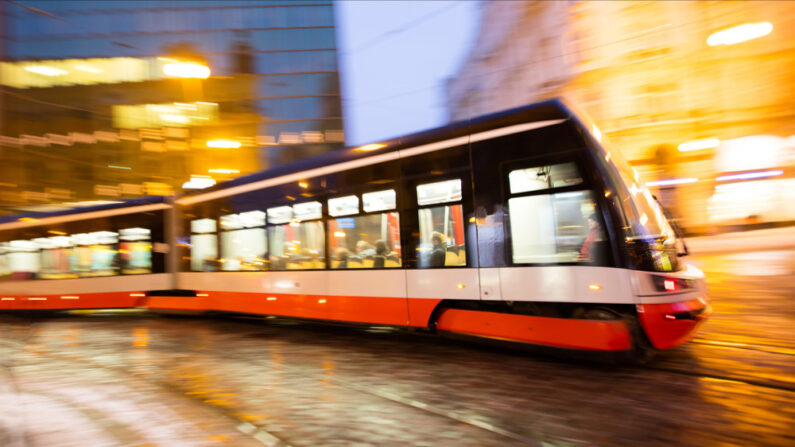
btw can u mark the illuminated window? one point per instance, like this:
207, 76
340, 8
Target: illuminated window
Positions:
343, 206
135, 250
204, 245
22, 258
379, 200
96, 253
549, 226
441, 227
177, 114
297, 240
57, 254
244, 243
544, 177
369, 241
439, 192
62, 72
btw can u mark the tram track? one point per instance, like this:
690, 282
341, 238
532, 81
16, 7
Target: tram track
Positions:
269, 437
768, 348
776, 353
725, 378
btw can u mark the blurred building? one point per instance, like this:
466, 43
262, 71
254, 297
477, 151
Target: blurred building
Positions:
102, 100
709, 124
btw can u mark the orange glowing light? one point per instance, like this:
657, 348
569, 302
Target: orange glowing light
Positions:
187, 70
740, 33
370, 147
224, 144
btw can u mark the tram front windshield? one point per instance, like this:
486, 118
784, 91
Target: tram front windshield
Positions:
649, 237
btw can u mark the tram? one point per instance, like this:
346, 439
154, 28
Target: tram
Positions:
521, 226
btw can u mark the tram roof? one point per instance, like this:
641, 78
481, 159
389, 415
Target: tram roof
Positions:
542, 111
57, 209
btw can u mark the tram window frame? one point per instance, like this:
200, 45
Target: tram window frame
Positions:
154, 221
263, 264
420, 260
586, 185
205, 266
430, 167
275, 265
359, 194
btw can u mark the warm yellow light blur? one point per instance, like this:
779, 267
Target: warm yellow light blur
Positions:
697, 145
88, 69
199, 182
224, 171
45, 70
303, 185
472, 219
271, 298
187, 70
28, 219
177, 114
321, 301
339, 234
461, 286
597, 133
740, 33
370, 147
595, 287
224, 144
59, 233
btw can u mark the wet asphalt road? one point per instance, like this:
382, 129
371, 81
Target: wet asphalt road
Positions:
131, 379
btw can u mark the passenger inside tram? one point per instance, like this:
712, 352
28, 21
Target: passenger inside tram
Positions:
381, 253
591, 246
364, 249
438, 251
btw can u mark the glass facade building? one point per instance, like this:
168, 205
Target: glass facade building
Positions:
74, 70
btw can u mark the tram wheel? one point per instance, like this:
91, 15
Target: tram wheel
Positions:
596, 313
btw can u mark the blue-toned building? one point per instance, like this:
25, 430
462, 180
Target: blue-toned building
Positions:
274, 82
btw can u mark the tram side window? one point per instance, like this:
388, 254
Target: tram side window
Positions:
57, 257
96, 253
135, 249
365, 241
23, 259
441, 221
204, 245
549, 225
5, 268
296, 237
244, 242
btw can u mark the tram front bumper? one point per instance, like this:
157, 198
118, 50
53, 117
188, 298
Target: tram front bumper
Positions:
671, 324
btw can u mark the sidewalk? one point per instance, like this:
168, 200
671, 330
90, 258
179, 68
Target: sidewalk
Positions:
757, 240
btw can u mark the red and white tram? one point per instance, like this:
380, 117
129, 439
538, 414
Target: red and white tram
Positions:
519, 226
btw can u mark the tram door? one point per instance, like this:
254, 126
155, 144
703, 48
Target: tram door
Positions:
535, 208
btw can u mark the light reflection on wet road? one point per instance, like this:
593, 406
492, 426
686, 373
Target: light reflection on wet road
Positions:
139, 380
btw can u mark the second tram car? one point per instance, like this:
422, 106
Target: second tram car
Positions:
519, 226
